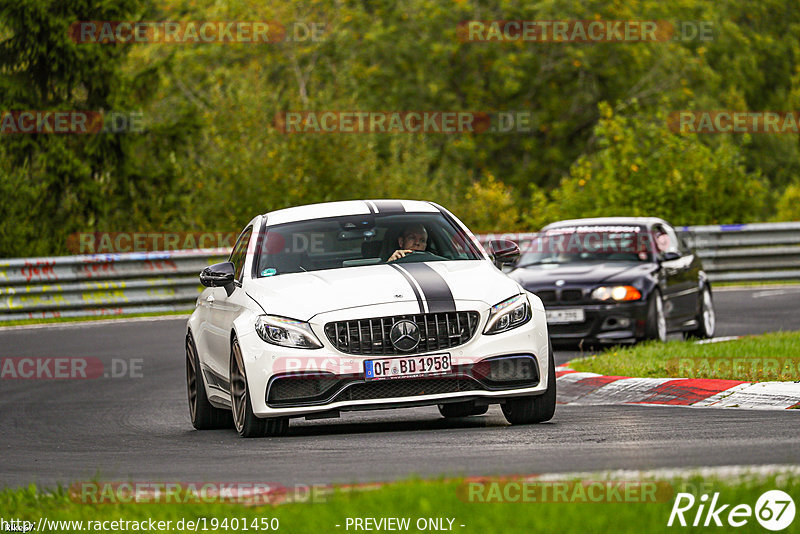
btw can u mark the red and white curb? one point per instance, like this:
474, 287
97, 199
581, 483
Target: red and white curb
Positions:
593, 389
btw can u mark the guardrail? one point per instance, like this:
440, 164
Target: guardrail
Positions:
102, 284
116, 284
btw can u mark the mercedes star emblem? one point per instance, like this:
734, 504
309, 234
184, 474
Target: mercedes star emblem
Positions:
404, 335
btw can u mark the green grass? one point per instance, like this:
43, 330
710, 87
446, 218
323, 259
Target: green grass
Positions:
419, 499
90, 318
768, 357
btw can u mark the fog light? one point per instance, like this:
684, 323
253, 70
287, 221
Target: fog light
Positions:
507, 369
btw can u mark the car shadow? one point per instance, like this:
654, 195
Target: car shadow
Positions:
331, 427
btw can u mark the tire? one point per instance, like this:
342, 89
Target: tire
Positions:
203, 414
244, 420
707, 320
656, 327
535, 408
462, 409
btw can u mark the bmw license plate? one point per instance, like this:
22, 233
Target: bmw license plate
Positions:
407, 367
565, 316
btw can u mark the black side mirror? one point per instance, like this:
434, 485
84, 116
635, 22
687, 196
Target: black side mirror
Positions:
505, 252
219, 275
670, 256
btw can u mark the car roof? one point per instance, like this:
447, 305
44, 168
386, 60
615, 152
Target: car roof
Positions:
608, 221
349, 207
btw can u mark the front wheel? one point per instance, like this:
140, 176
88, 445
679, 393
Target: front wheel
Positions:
204, 416
707, 320
538, 408
656, 327
246, 423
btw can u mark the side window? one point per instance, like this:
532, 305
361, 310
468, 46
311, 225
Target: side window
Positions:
239, 254
665, 238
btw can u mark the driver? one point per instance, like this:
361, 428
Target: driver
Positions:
662, 240
413, 238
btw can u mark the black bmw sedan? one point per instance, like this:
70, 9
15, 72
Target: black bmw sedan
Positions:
616, 280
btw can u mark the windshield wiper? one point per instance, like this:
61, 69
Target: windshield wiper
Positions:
537, 262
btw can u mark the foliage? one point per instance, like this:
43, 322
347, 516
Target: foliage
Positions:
211, 155
641, 168
788, 208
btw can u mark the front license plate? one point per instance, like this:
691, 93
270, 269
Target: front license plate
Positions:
565, 316
407, 367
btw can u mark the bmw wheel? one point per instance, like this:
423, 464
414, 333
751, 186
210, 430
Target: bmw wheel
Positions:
204, 416
656, 320
538, 408
707, 320
246, 423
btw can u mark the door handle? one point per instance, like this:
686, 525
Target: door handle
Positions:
210, 298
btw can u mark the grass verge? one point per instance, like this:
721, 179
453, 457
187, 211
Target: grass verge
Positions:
521, 511
49, 320
767, 357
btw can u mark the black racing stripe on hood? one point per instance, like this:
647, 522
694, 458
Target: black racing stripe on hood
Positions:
411, 283
434, 287
389, 206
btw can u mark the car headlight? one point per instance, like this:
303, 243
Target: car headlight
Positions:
618, 293
508, 314
286, 332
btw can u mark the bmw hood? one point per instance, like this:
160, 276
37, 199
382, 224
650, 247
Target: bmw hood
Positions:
434, 286
581, 273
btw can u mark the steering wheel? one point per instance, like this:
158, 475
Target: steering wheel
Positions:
417, 256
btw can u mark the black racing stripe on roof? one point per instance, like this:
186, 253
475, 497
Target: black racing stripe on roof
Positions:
411, 283
434, 287
369, 206
389, 206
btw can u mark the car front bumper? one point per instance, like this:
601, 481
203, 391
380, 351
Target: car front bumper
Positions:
619, 322
349, 390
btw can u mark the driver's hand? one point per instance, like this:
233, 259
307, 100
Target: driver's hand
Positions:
399, 254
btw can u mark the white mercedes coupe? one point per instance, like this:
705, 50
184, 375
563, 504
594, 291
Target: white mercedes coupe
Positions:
364, 305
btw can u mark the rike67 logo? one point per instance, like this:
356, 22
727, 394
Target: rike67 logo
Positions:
774, 510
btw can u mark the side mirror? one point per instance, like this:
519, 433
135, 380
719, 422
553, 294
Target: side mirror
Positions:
670, 256
219, 275
504, 252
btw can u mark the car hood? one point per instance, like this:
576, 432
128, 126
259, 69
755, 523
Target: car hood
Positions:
581, 273
304, 295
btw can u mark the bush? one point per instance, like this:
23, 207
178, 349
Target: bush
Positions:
788, 208
641, 168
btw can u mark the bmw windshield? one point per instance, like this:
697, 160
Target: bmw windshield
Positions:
572, 244
358, 240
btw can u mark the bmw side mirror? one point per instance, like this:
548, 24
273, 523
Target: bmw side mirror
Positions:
670, 256
219, 275
504, 252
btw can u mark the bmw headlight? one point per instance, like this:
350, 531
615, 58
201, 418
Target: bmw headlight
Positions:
508, 314
286, 332
618, 293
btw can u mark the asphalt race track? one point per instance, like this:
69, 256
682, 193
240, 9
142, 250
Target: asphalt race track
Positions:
137, 427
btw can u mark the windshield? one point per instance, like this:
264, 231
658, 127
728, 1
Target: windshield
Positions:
572, 244
353, 241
